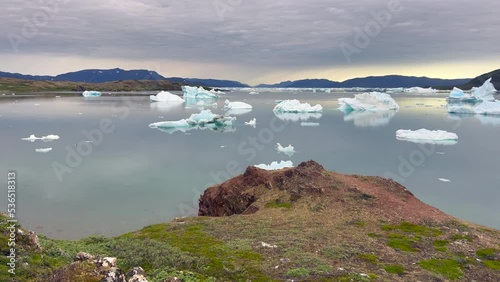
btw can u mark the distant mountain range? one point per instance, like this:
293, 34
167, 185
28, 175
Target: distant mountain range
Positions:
388, 81
111, 75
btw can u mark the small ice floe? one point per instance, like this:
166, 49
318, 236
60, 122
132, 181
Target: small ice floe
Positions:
36, 105
309, 124
266, 245
440, 153
165, 96
43, 150
47, 138
289, 151
89, 141
275, 165
80, 113
236, 105
425, 136
444, 180
91, 94
223, 147
252, 122
253, 93
58, 96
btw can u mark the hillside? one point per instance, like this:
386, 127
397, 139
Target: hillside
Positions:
300, 224
478, 81
9, 85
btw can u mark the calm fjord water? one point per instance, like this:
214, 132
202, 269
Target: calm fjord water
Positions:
138, 176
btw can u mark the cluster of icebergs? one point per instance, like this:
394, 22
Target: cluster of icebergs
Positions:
480, 101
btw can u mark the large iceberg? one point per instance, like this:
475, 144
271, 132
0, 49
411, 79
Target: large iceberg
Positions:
372, 101
165, 96
478, 94
236, 105
276, 165
91, 94
198, 92
294, 106
205, 119
427, 136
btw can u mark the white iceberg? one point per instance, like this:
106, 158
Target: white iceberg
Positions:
275, 165
484, 108
289, 151
205, 119
43, 150
47, 138
458, 94
420, 90
372, 101
294, 106
236, 105
309, 124
252, 122
91, 94
165, 96
253, 93
485, 92
238, 112
444, 180
198, 93
426, 136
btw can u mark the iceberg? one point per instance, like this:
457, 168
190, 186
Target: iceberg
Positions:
275, 165
165, 96
425, 136
91, 94
485, 92
458, 94
238, 112
198, 93
205, 119
253, 93
47, 138
444, 180
236, 105
44, 150
289, 151
369, 101
309, 124
294, 106
252, 122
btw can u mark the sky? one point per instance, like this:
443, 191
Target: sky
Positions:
258, 41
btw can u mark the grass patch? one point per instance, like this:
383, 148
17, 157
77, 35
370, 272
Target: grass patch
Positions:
488, 254
298, 272
458, 237
374, 235
492, 264
413, 228
395, 269
447, 268
402, 243
340, 252
371, 258
278, 203
440, 245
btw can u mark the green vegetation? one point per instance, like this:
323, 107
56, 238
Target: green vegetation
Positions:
492, 264
488, 253
340, 252
402, 243
368, 258
447, 268
458, 237
413, 228
278, 203
440, 245
395, 269
298, 272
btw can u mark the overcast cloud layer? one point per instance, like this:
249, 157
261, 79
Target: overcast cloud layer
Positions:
252, 41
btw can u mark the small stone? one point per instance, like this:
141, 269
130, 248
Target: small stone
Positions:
83, 256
